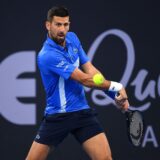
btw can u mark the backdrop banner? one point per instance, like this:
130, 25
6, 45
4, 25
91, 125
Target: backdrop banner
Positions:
120, 38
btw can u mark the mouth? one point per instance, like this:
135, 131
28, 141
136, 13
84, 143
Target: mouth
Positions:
61, 35
60, 38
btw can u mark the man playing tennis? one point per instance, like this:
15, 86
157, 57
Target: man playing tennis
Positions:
67, 110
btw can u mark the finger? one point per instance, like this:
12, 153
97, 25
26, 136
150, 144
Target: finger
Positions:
126, 105
121, 96
121, 101
122, 105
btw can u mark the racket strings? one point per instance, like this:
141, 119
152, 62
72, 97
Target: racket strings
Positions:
135, 128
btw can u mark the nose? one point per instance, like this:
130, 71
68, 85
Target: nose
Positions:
62, 28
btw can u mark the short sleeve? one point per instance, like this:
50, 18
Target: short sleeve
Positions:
55, 62
82, 54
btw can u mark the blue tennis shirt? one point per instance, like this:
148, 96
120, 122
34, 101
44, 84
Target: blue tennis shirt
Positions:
56, 64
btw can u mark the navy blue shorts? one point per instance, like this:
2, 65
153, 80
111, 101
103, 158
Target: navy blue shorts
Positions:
81, 124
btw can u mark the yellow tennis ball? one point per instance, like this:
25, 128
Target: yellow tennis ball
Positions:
98, 79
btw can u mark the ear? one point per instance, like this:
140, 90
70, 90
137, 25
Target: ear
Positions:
48, 24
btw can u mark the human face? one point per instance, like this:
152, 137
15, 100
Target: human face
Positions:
58, 28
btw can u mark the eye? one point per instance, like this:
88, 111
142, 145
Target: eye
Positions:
58, 24
66, 24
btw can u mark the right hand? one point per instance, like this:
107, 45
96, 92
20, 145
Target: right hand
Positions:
122, 100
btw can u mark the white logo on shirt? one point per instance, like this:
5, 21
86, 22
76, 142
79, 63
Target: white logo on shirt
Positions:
75, 50
65, 68
60, 64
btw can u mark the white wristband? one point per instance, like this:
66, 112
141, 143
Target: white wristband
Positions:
115, 86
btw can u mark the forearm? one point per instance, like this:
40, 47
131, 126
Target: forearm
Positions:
87, 81
113, 89
90, 71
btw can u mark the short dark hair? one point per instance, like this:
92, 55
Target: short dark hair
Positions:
59, 11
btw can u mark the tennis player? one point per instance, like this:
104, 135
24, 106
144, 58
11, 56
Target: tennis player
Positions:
67, 110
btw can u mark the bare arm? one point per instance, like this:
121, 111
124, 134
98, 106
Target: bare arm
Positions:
85, 77
89, 68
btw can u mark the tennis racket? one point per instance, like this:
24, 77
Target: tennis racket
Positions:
135, 126
134, 122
